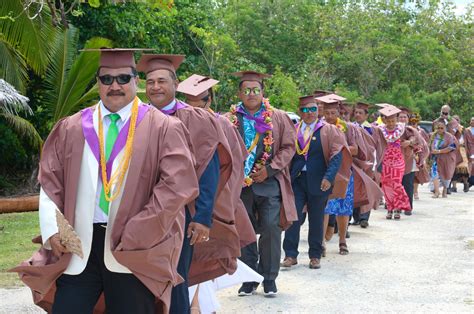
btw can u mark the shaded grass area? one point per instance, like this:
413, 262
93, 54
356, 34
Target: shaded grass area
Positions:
16, 232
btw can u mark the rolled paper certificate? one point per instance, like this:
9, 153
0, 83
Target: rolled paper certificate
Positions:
68, 236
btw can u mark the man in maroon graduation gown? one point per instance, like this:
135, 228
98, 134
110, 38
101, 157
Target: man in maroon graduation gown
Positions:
131, 244
213, 167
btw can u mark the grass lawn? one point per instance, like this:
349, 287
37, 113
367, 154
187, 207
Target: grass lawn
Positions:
16, 232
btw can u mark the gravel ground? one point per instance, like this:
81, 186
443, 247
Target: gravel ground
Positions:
423, 263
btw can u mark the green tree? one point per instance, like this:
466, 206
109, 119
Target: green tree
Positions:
24, 43
69, 81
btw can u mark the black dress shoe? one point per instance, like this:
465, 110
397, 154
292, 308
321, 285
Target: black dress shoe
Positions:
364, 224
408, 212
269, 288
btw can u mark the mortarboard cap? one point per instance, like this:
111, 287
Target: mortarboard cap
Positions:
319, 93
196, 86
116, 57
251, 76
389, 110
304, 100
329, 102
152, 62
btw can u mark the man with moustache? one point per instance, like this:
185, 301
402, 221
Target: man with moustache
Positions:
268, 134
213, 168
319, 155
91, 167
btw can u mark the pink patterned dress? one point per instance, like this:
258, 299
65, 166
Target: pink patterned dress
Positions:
393, 168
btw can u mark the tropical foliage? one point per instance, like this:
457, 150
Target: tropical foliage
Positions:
412, 53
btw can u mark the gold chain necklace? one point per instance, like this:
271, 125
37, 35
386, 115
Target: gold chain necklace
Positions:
119, 175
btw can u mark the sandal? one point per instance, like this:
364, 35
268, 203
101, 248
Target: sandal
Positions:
389, 214
343, 249
397, 215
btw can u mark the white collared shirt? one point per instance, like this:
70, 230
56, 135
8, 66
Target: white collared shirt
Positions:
170, 105
124, 113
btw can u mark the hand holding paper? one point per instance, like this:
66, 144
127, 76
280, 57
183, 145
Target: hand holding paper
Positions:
68, 237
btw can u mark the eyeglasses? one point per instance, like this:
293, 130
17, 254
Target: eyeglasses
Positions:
445, 113
308, 109
122, 79
256, 91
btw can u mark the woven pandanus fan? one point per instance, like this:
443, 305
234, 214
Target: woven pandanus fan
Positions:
68, 236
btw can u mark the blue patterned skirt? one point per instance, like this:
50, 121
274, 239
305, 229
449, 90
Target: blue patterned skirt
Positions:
342, 206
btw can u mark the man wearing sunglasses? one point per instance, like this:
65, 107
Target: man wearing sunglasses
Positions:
235, 230
444, 116
269, 136
198, 92
213, 168
113, 170
318, 158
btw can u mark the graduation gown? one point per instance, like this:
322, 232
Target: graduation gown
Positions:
283, 149
218, 256
366, 191
147, 231
447, 161
469, 142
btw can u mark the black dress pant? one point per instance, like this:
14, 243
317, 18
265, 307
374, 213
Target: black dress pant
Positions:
123, 293
408, 184
264, 213
180, 293
315, 212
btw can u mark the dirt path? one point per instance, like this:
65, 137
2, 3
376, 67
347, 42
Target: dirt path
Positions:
423, 263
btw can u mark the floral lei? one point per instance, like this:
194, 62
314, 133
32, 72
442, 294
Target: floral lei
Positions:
341, 125
267, 141
392, 136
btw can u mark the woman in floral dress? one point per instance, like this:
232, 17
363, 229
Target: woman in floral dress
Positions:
395, 138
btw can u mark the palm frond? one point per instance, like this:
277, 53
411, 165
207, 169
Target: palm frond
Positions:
70, 76
31, 37
24, 128
11, 101
13, 67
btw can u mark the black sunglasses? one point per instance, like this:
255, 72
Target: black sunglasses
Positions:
308, 109
445, 113
122, 79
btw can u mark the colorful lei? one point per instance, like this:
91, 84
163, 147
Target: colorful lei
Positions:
392, 136
267, 114
341, 125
